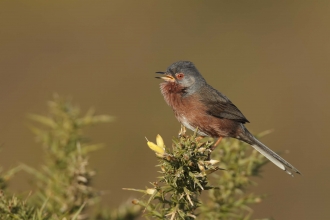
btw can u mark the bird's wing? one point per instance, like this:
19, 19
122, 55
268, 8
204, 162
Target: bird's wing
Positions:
220, 106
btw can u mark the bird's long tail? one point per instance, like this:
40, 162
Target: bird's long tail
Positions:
247, 137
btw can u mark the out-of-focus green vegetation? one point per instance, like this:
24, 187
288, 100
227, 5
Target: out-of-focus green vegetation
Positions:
64, 182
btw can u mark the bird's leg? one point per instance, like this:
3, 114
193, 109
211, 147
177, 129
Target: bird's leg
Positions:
213, 147
216, 143
182, 131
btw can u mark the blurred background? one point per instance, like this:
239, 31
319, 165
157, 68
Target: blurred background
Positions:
271, 58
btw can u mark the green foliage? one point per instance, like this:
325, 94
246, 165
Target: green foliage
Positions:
65, 179
64, 183
124, 212
184, 176
187, 171
14, 208
230, 200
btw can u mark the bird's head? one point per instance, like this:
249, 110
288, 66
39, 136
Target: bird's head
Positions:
184, 74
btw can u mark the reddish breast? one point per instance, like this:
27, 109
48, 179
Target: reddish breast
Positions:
172, 93
192, 113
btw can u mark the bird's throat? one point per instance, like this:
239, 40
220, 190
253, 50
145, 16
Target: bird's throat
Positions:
172, 92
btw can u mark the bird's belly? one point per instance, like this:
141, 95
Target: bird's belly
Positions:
208, 125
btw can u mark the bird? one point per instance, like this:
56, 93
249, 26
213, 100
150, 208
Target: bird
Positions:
198, 106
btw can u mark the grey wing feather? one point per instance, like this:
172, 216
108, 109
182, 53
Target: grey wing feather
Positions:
220, 106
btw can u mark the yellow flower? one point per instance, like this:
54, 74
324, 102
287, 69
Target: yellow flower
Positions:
159, 141
159, 148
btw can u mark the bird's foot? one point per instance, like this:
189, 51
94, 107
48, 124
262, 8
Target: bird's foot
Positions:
213, 148
182, 131
197, 139
216, 143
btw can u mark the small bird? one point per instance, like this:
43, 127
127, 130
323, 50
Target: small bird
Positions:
196, 104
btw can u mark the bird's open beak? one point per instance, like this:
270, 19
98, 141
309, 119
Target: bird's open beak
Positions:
167, 77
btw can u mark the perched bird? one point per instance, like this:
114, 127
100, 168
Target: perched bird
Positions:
196, 104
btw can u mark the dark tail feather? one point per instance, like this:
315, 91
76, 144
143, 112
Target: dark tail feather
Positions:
247, 137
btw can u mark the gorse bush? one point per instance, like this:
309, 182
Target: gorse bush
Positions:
63, 184
184, 176
187, 170
65, 179
229, 199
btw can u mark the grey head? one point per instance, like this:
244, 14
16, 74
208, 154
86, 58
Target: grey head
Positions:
185, 74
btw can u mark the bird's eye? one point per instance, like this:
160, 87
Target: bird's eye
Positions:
179, 76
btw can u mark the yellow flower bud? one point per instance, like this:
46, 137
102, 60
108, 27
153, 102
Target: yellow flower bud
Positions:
156, 148
159, 141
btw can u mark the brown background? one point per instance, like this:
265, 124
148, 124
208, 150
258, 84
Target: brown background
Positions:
270, 57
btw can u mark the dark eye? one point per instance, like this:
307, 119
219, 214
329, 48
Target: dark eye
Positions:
179, 76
